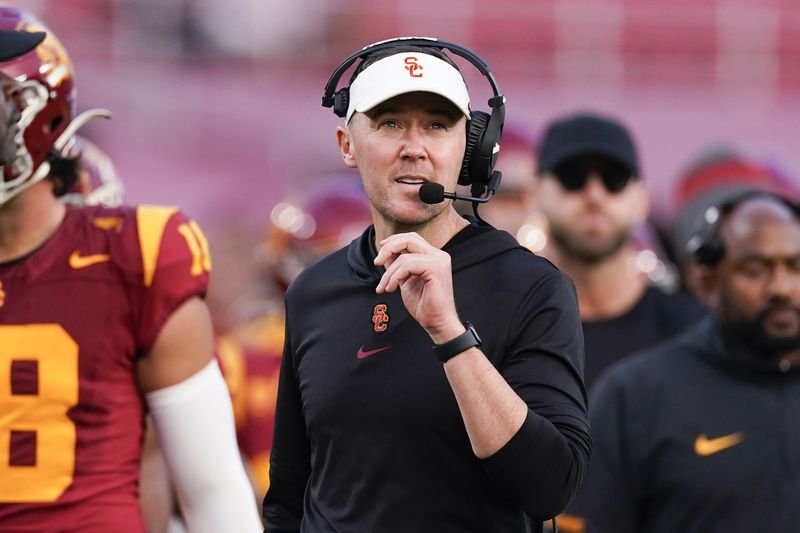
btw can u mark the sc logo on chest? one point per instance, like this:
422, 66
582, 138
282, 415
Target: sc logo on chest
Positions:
380, 318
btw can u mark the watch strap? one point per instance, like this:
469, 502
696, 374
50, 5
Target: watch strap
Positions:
451, 348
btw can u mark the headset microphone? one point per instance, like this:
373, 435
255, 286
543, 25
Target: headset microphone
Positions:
434, 193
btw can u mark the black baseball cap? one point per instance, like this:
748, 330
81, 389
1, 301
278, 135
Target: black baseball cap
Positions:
586, 134
16, 43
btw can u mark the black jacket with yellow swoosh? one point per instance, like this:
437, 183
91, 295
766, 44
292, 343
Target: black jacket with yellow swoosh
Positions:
694, 436
368, 435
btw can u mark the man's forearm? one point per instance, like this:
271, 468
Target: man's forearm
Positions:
491, 410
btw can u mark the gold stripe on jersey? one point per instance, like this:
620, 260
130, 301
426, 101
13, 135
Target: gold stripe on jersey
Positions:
151, 220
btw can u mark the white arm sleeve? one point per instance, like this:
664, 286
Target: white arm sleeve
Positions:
195, 429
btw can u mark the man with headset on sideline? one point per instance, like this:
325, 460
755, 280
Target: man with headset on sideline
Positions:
701, 434
431, 375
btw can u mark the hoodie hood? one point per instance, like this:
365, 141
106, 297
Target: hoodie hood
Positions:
474, 244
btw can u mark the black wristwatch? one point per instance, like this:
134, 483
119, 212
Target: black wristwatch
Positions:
466, 340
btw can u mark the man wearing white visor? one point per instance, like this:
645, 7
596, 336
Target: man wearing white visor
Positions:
393, 414
406, 73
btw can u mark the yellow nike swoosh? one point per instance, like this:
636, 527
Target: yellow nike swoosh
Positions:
703, 446
76, 260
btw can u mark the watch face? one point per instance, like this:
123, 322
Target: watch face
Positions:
471, 328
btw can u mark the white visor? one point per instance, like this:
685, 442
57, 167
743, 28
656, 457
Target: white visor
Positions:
407, 72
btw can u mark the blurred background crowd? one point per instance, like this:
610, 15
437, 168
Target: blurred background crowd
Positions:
216, 104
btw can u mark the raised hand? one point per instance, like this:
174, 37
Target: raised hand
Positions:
424, 276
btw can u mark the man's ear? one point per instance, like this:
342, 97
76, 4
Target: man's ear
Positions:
642, 204
530, 193
707, 283
345, 142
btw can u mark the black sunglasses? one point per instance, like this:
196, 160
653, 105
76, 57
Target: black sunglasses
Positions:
574, 174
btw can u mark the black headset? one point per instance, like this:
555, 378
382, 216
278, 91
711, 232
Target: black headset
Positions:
706, 245
483, 131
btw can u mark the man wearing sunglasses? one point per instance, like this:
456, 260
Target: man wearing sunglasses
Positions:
591, 194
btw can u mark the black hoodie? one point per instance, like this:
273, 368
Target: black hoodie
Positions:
368, 435
696, 435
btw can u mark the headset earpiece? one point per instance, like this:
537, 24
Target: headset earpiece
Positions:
476, 129
706, 246
480, 158
341, 101
708, 250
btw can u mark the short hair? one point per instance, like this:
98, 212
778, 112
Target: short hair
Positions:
64, 172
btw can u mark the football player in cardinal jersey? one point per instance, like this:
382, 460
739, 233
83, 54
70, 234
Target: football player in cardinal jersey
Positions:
102, 318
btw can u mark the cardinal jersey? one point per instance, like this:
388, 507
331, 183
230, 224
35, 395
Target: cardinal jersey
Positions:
251, 360
74, 317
